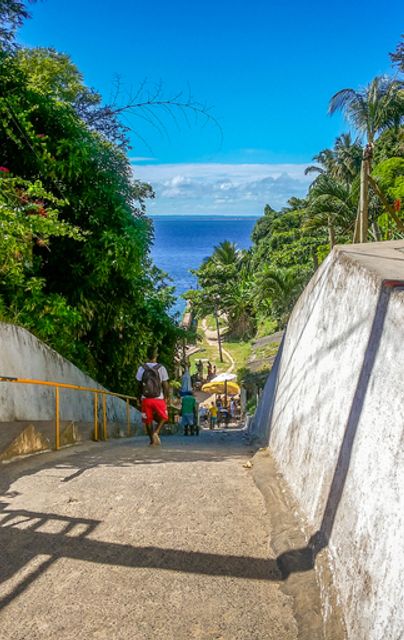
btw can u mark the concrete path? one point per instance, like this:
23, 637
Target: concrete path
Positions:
122, 541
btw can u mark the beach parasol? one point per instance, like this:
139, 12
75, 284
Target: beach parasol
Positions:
223, 383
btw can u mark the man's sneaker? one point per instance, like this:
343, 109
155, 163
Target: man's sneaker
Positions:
156, 439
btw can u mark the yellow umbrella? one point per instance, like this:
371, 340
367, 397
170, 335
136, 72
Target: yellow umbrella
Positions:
221, 386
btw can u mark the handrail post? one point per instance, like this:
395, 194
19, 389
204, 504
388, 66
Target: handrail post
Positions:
96, 416
104, 417
57, 419
128, 415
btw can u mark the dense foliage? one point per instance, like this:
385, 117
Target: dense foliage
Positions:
260, 287
74, 239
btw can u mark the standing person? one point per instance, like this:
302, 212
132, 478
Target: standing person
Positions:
186, 382
199, 369
203, 415
189, 413
213, 415
232, 408
154, 393
210, 371
219, 407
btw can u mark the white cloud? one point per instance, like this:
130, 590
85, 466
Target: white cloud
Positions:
141, 159
222, 188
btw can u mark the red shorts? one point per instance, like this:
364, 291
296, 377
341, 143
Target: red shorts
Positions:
152, 407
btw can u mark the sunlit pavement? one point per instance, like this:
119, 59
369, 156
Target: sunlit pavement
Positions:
124, 541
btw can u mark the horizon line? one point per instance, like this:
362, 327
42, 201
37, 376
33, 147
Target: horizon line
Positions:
223, 214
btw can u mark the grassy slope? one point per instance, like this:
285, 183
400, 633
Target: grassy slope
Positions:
239, 350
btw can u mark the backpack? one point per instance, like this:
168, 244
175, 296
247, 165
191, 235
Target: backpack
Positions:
151, 382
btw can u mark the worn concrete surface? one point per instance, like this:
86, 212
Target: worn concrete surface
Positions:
123, 541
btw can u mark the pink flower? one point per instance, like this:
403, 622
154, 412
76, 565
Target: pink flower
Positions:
4, 170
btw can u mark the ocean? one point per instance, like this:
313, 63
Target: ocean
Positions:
182, 242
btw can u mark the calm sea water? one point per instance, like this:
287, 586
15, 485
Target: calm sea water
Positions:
182, 242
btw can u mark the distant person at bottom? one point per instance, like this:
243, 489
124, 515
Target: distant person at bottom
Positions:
154, 393
189, 414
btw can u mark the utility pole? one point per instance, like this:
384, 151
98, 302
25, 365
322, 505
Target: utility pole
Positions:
363, 214
219, 340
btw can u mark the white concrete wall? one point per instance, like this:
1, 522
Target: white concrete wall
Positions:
22, 355
337, 428
258, 429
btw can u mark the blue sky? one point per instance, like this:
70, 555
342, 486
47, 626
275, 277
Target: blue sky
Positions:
266, 70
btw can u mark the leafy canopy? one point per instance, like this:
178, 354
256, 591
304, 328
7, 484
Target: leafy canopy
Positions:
86, 283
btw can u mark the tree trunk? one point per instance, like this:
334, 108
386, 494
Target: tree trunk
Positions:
315, 258
364, 201
355, 238
376, 231
331, 233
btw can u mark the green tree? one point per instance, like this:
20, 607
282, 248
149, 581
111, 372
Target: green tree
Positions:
342, 162
388, 181
390, 176
332, 207
378, 107
238, 304
29, 223
277, 289
226, 254
224, 287
279, 238
390, 144
107, 280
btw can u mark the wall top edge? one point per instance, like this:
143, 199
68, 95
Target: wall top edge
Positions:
383, 259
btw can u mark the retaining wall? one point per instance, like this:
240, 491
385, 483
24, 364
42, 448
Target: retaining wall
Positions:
22, 355
333, 413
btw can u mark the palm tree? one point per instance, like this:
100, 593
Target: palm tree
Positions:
238, 302
348, 155
342, 163
332, 205
226, 254
371, 110
277, 289
325, 160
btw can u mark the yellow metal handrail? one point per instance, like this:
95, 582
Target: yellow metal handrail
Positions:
76, 387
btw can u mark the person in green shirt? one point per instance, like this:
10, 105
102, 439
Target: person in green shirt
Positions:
189, 414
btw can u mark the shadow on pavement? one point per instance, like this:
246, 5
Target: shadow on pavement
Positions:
30, 542
21, 541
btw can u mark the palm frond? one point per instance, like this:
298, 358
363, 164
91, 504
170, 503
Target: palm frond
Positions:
340, 100
313, 169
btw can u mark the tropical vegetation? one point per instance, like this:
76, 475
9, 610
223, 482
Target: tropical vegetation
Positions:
75, 265
357, 194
